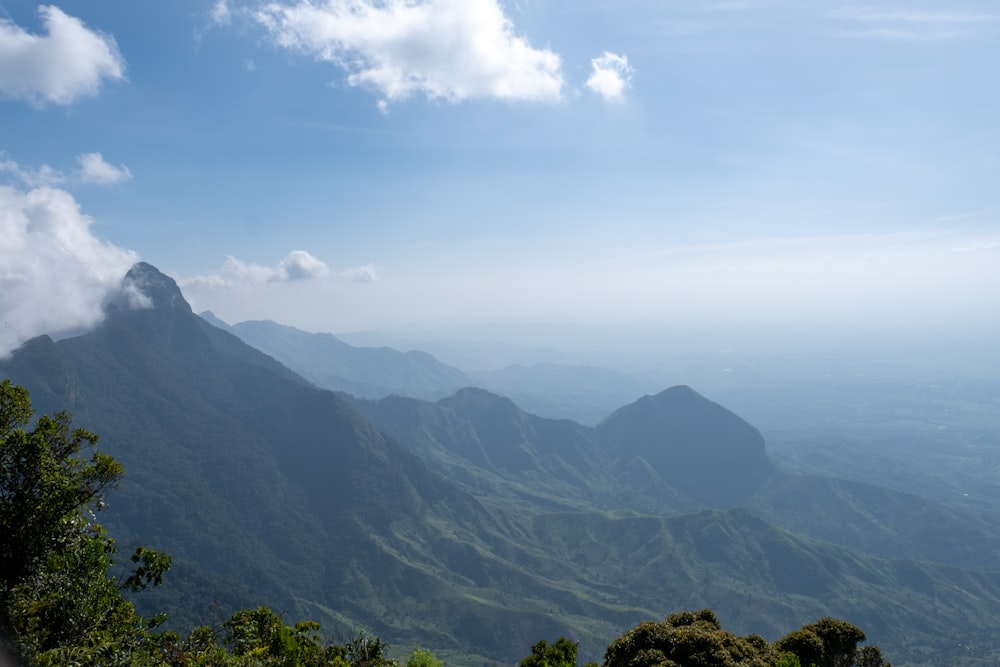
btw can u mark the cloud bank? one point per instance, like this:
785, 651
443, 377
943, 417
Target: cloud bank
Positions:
445, 49
611, 76
55, 275
68, 62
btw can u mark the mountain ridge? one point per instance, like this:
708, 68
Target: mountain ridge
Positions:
330, 363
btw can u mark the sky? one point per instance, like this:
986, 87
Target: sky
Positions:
816, 169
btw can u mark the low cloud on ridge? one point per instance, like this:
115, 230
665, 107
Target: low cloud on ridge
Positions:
55, 274
66, 63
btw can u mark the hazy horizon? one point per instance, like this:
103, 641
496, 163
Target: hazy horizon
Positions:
729, 180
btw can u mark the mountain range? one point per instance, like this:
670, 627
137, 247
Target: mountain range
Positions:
583, 393
474, 528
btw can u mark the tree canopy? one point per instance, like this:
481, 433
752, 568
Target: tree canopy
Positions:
696, 639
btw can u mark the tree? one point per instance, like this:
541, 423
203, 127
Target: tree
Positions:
829, 642
696, 639
803, 644
560, 654
57, 601
45, 488
688, 639
423, 658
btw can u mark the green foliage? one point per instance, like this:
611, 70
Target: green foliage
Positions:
57, 603
788, 660
261, 634
45, 488
829, 642
259, 638
804, 644
696, 639
691, 639
870, 656
423, 658
365, 650
560, 654
150, 568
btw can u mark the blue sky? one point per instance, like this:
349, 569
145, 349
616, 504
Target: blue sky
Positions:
347, 165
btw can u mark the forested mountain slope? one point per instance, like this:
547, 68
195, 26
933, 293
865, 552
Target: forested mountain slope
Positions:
666, 454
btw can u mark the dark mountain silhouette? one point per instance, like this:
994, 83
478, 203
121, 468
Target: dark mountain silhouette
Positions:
328, 362
269, 490
695, 445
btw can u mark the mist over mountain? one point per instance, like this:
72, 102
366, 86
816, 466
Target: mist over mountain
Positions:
585, 394
474, 527
329, 363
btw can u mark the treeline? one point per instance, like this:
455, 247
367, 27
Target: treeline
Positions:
63, 588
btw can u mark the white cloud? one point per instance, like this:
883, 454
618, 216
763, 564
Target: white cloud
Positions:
362, 274
446, 49
297, 265
32, 178
244, 272
300, 265
220, 14
55, 275
91, 169
68, 62
611, 75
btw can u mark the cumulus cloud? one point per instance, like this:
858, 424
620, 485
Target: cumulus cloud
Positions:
55, 275
69, 61
611, 76
297, 265
91, 169
445, 49
300, 265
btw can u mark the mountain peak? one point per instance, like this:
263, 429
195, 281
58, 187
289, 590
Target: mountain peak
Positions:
212, 319
144, 286
696, 445
478, 399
